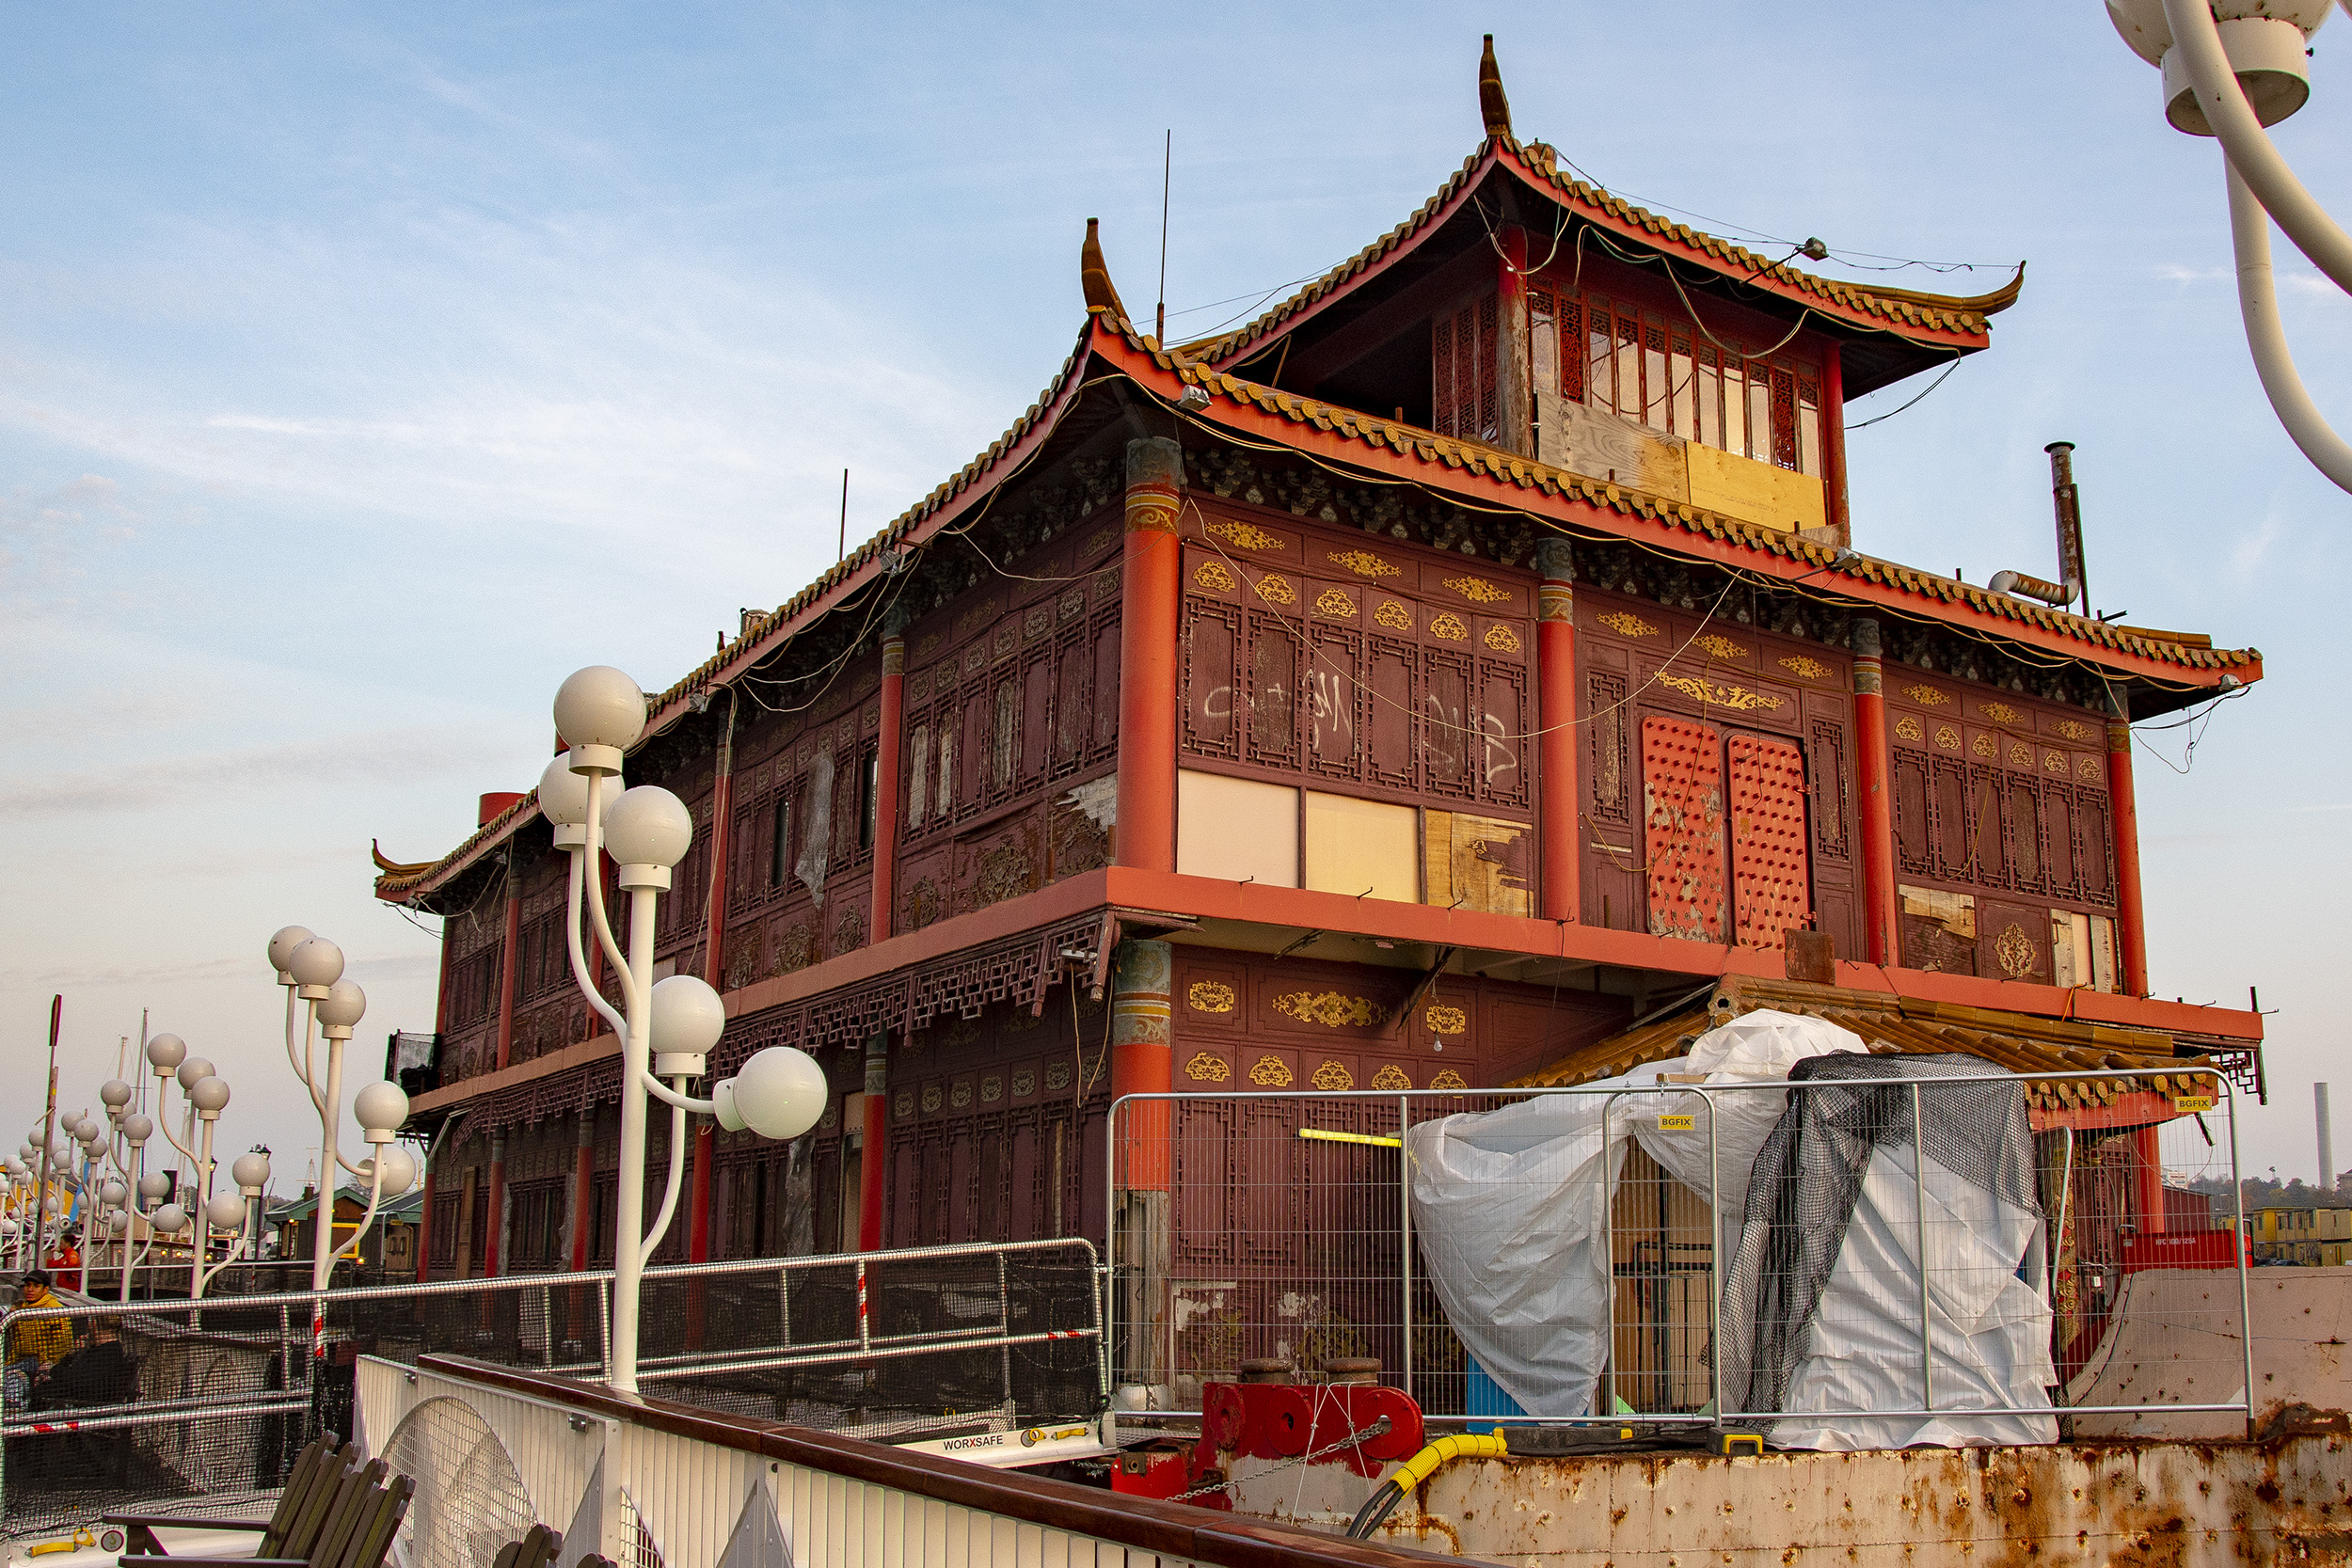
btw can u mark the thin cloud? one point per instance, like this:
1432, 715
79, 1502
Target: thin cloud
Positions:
338, 759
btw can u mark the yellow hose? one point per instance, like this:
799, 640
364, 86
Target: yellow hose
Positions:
1431, 1459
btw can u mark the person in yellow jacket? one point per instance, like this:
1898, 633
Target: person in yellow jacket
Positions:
36, 1345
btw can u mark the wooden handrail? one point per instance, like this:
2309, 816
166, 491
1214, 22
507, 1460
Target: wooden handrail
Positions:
1144, 1523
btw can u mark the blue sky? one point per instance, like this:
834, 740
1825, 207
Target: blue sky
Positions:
361, 373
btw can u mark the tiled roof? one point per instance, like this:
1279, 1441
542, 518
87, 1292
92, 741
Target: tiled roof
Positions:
2017, 1042
772, 630
1512, 472
1536, 165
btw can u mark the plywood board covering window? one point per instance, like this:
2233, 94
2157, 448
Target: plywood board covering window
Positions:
1361, 848
1238, 830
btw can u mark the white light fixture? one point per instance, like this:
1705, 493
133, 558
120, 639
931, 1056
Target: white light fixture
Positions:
647, 830
2231, 68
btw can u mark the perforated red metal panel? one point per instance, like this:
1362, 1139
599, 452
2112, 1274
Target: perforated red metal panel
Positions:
1682, 827
1770, 881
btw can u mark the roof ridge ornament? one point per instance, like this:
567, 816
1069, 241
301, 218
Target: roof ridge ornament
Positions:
1094, 276
1493, 106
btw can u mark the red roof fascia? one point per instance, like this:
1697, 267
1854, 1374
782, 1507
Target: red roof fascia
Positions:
1316, 439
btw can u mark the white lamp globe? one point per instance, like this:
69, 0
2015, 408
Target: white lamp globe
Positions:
399, 1167
211, 1095
114, 1191
117, 1221
61, 1151
343, 1005
165, 1052
138, 1128
8, 1228
281, 947
564, 794
169, 1220
226, 1212
599, 707
687, 1016
381, 1107
193, 1071
251, 1170
116, 1093
779, 1094
315, 961
49, 1205
648, 826
155, 1186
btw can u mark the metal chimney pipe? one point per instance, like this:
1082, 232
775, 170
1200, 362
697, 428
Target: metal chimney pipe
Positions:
2070, 522
2327, 1143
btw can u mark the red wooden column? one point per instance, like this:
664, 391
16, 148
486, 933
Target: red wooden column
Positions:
887, 784
1834, 442
873, 1154
585, 1190
2148, 1182
509, 958
494, 1205
1151, 595
425, 1229
714, 971
1558, 791
2131, 932
1876, 788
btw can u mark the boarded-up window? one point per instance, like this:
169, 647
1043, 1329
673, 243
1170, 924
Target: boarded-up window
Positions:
1682, 820
1771, 891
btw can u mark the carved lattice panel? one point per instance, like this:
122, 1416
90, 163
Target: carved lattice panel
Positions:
1682, 827
1770, 877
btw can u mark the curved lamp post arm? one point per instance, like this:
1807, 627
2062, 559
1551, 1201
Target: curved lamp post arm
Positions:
375, 1201
2249, 148
2257, 303
235, 1255
579, 962
630, 998
163, 1125
677, 1099
677, 1173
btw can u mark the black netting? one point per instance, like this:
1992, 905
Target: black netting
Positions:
1801, 1194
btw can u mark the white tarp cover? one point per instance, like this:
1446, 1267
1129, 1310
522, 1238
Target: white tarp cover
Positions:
1510, 1208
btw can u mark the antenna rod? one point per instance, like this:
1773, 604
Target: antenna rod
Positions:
845, 519
1167, 161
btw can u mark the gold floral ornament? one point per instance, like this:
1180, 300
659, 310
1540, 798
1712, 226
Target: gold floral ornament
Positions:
1449, 1079
1247, 536
1335, 604
1926, 696
1365, 564
1501, 638
960, 1096
2001, 713
903, 1106
1057, 1077
1276, 589
1985, 747
2087, 767
1721, 647
1393, 615
1737, 698
1270, 1072
1446, 1021
2073, 731
1390, 1077
1205, 1069
1810, 669
2053, 762
1478, 590
1625, 624
930, 1099
1211, 996
1909, 728
2020, 754
1947, 738
1024, 1081
992, 1089
1213, 576
1332, 1078
1449, 625
1331, 1009
2014, 951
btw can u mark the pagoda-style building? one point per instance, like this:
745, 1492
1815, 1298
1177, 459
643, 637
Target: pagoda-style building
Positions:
1469, 672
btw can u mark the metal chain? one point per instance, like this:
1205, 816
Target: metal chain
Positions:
1377, 1427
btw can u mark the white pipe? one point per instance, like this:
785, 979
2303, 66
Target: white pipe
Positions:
322, 1247
2257, 303
678, 1172
679, 1097
580, 965
203, 1221
629, 1253
2250, 147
